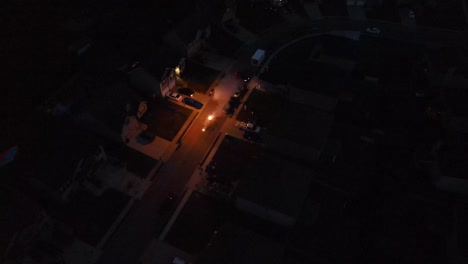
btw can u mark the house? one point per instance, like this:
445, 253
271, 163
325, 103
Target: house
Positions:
96, 103
187, 31
159, 76
79, 178
168, 80
30, 234
148, 85
193, 31
189, 36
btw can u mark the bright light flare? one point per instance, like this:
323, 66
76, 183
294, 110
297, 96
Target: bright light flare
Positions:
203, 129
210, 117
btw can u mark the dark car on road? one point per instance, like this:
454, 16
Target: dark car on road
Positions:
192, 102
186, 91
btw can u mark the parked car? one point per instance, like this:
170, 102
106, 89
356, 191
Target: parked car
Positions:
186, 91
373, 30
174, 96
192, 102
241, 92
249, 127
252, 136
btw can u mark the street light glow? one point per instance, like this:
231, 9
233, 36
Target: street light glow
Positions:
210, 117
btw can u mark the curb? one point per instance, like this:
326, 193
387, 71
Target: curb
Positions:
210, 149
187, 128
116, 224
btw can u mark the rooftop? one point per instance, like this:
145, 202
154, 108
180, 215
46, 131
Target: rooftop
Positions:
97, 103
91, 216
58, 145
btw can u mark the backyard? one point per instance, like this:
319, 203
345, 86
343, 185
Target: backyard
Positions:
165, 119
137, 162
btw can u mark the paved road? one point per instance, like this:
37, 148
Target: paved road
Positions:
397, 31
144, 222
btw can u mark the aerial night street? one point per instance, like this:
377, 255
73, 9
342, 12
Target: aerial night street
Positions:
203, 132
